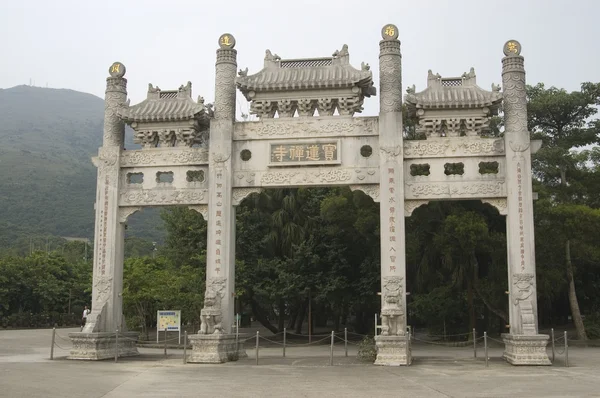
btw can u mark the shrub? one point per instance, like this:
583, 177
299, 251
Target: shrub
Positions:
367, 351
592, 326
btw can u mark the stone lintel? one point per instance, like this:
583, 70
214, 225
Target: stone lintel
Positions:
102, 345
392, 351
216, 348
526, 349
306, 127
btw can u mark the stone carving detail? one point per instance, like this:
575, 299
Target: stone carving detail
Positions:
372, 190
452, 190
240, 194
305, 177
500, 204
247, 177
125, 212
202, 209
423, 148
225, 86
273, 128
219, 157
116, 96
392, 311
164, 157
411, 205
515, 100
391, 151
102, 289
146, 197
521, 295
211, 315
390, 75
108, 157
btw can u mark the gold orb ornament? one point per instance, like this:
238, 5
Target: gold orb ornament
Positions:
227, 41
389, 32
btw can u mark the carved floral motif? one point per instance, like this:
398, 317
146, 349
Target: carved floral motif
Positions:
500, 204
307, 128
443, 190
411, 205
166, 157
202, 209
371, 189
125, 212
240, 194
424, 148
306, 177
161, 197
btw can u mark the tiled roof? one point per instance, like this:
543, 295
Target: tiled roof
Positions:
309, 73
162, 106
455, 92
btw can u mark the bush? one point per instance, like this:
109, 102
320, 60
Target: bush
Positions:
367, 351
592, 326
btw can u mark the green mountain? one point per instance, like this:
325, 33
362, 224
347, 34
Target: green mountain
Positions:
48, 181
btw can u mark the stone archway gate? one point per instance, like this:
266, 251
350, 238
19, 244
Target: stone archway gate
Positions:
198, 155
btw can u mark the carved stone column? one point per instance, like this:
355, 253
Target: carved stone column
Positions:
523, 344
215, 342
97, 340
392, 349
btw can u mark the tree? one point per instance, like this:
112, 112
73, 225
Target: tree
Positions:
562, 121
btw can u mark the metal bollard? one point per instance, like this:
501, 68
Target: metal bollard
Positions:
553, 348
52, 346
116, 345
331, 350
284, 340
257, 347
185, 347
474, 343
165, 342
485, 348
346, 341
566, 351
408, 349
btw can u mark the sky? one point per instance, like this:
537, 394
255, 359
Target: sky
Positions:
71, 44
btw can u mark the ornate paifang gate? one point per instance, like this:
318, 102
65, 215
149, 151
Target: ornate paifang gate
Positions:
202, 158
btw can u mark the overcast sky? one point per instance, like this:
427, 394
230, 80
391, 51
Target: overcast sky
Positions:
71, 43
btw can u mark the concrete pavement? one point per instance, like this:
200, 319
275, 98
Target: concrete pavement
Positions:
437, 371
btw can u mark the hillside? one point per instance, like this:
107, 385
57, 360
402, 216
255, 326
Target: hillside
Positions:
48, 180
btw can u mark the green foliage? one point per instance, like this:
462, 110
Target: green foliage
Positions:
367, 351
592, 325
42, 289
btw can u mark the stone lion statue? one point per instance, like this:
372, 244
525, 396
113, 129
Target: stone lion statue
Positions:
211, 315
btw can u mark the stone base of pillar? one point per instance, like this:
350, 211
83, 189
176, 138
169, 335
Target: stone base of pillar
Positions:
216, 348
98, 346
522, 349
393, 351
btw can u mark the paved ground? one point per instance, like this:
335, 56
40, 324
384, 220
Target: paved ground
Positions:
26, 371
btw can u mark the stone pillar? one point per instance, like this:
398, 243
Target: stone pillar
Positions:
215, 342
523, 344
97, 340
392, 343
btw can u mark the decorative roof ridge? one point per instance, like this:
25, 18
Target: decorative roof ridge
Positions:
438, 84
162, 105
